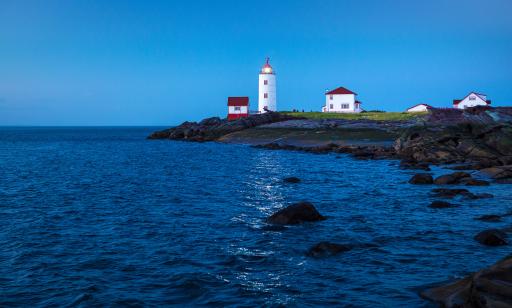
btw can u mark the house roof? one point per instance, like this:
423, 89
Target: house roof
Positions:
238, 101
457, 101
427, 105
340, 90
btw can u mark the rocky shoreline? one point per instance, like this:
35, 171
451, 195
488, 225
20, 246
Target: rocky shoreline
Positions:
476, 140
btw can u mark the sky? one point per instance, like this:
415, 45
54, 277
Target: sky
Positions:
164, 62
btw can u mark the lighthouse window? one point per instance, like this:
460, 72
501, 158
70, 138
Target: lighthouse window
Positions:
330, 97
265, 95
237, 108
344, 106
265, 82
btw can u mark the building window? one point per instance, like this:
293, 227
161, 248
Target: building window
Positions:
344, 106
331, 106
265, 95
330, 97
472, 98
265, 82
238, 108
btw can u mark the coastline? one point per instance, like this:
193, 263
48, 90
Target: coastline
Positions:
476, 140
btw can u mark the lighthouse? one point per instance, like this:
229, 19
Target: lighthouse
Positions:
267, 89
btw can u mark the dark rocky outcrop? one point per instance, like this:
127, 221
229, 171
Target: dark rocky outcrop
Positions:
421, 179
325, 249
488, 288
213, 128
441, 205
295, 214
491, 237
479, 136
291, 179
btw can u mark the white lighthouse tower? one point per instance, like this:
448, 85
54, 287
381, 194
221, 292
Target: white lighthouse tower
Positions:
267, 89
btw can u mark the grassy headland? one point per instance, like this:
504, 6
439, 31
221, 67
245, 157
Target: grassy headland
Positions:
375, 116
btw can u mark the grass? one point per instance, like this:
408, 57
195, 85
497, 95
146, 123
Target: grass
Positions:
375, 116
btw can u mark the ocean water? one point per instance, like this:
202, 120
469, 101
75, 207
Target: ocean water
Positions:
101, 216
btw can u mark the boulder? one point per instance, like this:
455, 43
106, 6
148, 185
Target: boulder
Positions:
452, 178
295, 214
488, 288
441, 205
491, 237
325, 249
292, 179
421, 179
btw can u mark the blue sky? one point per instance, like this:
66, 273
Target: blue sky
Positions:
164, 62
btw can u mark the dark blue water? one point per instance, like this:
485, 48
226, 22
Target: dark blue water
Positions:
101, 216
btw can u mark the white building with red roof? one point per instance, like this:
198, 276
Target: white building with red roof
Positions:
341, 100
238, 107
419, 108
471, 100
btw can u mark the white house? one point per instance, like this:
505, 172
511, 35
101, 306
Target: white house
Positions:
341, 100
471, 100
419, 108
267, 89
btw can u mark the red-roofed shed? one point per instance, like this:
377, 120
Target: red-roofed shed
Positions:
238, 107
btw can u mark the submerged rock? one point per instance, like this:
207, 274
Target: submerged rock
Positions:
450, 193
422, 179
491, 287
325, 249
292, 179
489, 218
491, 237
441, 205
295, 214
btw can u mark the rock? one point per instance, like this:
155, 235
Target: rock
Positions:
481, 196
474, 182
491, 237
489, 218
491, 287
441, 205
295, 214
498, 173
421, 179
324, 249
414, 165
450, 193
292, 179
453, 178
